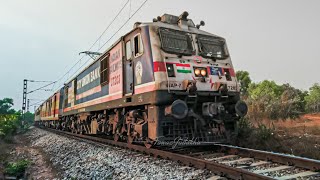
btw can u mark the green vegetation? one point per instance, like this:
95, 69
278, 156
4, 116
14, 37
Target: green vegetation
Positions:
269, 106
16, 168
8, 125
245, 80
260, 137
269, 100
5, 106
11, 121
313, 99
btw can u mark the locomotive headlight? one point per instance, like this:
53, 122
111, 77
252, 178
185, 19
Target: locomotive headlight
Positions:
203, 72
200, 71
197, 72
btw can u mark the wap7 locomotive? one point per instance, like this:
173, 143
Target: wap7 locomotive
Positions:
161, 81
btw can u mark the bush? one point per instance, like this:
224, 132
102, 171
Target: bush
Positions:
245, 128
313, 99
17, 168
267, 100
263, 133
8, 125
257, 137
11, 121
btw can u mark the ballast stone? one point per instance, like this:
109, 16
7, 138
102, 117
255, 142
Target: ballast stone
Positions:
81, 160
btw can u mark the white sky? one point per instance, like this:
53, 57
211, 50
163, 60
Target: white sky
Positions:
40, 40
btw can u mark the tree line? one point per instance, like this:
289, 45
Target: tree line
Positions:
267, 99
11, 121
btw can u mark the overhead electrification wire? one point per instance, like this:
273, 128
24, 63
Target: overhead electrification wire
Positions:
130, 9
109, 24
78, 69
38, 81
70, 69
130, 16
39, 102
124, 24
40, 88
94, 42
36, 99
115, 32
102, 35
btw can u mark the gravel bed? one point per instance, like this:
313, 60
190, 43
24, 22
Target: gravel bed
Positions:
265, 166
81, 160
286, 172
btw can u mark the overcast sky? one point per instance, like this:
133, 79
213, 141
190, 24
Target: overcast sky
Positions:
40, 40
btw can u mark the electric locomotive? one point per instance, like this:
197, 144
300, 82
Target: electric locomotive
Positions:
164, 80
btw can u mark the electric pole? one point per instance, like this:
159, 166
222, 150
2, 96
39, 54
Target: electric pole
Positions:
28, 103
24, 101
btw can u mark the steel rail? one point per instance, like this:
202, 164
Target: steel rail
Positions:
217, 168
296, 161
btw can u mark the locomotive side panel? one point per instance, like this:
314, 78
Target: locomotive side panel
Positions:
49, 110
101, 82
88, 85
126, 78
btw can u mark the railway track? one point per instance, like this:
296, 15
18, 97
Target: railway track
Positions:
227, 162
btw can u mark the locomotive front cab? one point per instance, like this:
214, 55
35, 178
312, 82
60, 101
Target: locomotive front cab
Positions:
198, 90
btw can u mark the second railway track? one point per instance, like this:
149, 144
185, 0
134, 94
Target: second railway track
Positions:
225, 161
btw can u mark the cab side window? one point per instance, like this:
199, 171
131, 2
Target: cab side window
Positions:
104, 70
138, 45
128, 50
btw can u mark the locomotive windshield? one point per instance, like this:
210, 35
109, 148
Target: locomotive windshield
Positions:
177, 42
210, 46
